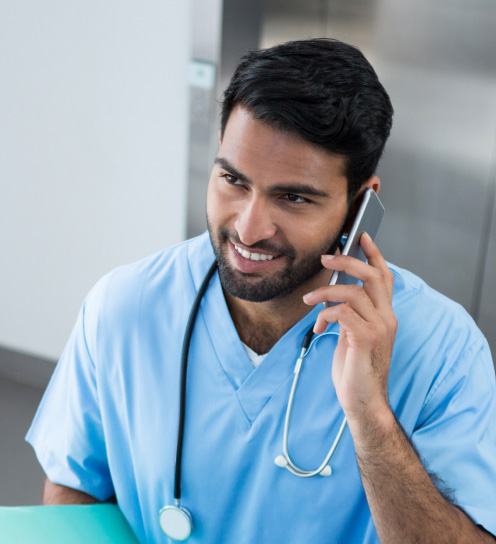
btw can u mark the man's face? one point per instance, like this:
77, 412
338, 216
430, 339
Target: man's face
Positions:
275, 204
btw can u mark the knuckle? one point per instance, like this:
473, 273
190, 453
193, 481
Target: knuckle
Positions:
357, 290
373, 334
378, 273
343, 310
393, 320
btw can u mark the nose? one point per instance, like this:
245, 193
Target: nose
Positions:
254, 222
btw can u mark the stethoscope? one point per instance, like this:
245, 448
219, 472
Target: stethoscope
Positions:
175, 520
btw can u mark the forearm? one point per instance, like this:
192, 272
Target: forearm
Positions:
54, 494
405, 505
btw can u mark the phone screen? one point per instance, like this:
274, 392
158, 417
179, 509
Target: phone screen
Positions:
368, 219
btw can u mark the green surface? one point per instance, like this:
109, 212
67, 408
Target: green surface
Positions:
95, 524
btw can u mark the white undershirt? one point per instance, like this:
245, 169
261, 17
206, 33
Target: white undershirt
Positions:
255, 358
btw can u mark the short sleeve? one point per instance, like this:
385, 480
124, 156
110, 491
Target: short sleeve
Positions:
456, 434
67, 432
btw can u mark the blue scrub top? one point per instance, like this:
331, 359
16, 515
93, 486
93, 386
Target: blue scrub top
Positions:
107, 423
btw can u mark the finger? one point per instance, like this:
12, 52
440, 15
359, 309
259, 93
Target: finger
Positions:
360, 334
354, 295
372, 278
375, 259
332, 315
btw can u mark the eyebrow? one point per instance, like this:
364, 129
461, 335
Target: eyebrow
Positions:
296, 188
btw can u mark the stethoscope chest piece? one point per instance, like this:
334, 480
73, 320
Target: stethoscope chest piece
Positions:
176, 522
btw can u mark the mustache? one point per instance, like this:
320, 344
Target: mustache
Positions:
262, 245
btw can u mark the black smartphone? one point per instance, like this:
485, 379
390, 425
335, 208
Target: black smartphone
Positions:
368, 219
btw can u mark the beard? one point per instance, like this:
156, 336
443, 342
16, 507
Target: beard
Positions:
297, 271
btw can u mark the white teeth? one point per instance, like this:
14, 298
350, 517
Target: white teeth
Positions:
253, 256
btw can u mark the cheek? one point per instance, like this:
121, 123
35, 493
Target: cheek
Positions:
319, 231
212, 201
218, 207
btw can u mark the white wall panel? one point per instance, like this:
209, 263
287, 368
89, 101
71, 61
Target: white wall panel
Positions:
93, 152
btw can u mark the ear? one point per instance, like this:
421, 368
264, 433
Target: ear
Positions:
372, 183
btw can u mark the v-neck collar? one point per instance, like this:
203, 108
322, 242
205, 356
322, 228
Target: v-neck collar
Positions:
254, 387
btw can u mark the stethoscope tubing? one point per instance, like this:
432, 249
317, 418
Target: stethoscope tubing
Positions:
181, 515
290, 465
183, 378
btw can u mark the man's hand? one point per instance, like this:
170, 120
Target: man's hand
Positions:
368, 326
59, 494
405, 505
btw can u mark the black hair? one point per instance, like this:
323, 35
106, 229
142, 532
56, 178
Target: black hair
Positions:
325, 91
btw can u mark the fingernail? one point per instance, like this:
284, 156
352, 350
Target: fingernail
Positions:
307, 296
327, 257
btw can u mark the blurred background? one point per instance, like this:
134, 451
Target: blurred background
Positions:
109, 120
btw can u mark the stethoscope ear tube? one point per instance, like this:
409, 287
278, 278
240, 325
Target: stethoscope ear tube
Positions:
184, 371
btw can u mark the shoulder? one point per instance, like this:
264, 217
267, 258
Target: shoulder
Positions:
133, 289
427, 312
437, 340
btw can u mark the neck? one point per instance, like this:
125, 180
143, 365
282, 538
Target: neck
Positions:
261, 324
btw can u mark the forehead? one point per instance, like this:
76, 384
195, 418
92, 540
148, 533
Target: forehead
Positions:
261, 151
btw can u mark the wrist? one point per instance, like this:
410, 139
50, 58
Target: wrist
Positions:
379, 418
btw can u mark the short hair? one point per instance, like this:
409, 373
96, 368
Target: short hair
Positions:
323, 90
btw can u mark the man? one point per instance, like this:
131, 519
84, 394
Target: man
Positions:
303, 127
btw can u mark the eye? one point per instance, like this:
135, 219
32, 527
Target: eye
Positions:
291, 197
232, 180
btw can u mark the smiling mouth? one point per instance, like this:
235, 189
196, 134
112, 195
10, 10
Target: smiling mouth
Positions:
253, 256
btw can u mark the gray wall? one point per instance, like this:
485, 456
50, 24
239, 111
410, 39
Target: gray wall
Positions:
438, 62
